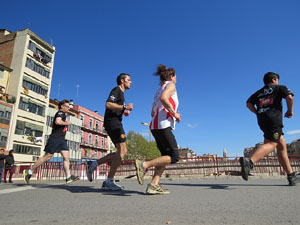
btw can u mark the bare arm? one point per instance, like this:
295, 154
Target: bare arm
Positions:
115, 106
59, 121
289, 102
164, 98
251, 108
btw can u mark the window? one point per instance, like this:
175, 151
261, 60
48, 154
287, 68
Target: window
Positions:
1, 74
97, 125
5, 113
90, 139
37, 68
3, 137
27, 150
96, 140
34, 87
102, 142
28, 129
29, 106
49, 121
82, 117
39, 54
91, 123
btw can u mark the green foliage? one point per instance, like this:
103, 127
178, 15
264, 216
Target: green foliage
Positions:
139, 148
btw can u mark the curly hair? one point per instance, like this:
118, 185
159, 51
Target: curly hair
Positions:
164, 73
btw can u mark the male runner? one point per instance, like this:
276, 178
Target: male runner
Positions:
56, 143
268, 102
115, 108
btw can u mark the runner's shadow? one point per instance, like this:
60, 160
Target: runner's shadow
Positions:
225, 186
74, 188
121, 193
87, 189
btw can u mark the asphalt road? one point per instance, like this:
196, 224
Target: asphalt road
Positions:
222, 200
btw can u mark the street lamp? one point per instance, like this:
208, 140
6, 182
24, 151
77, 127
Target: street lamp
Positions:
150, 134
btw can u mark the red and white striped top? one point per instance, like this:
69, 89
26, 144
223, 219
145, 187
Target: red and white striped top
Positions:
162, 118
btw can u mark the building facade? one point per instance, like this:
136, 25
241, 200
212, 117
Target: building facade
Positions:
31, 59
94, 141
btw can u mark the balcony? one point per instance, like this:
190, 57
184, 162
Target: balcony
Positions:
95, 130
93, 146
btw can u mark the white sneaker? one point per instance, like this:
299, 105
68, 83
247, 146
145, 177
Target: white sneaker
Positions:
111, 186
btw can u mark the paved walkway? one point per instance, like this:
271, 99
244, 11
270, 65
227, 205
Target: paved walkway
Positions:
222, 200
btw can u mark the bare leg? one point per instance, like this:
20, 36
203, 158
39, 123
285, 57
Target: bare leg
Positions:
160, 165
65, 154
263, 150
108, 158
117, 159
158, 162
157, 174
41, 161
283, 156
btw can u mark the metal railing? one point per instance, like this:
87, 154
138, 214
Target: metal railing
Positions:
202, 166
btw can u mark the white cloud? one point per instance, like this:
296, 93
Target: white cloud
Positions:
189, 125
293, 132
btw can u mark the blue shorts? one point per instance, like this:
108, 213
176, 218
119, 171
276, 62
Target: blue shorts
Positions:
55, 145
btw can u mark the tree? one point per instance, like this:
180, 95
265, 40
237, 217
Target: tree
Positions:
139, 147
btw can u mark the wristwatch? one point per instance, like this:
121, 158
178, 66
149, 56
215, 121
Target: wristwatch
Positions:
124, 107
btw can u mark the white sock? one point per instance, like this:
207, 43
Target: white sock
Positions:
68, 176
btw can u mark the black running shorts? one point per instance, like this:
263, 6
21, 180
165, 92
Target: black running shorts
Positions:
271, 132
55, 145
166, 142
115, 131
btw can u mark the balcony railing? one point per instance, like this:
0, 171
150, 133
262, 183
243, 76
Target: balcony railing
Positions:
93, 129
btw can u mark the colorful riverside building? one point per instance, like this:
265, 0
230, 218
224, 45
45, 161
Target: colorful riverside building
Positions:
31, 59
73, 135
5, 107
94, 139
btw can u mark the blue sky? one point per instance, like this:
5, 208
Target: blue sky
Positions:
220, 50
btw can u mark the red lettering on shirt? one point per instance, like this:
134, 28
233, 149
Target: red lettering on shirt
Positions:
265, 101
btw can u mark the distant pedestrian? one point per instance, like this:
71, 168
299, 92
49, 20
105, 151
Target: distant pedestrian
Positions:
56, 144
115, 109
266, 103
164, 117
2, 157
9, 166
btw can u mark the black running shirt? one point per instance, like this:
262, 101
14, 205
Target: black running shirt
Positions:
59, 131
116, 96
268, 102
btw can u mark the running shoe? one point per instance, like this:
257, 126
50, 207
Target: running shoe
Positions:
246, 167
111, 186
293, 179
26, 176
156, 190
89, 170
140, 171
72, 178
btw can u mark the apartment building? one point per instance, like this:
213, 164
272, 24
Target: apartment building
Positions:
73, 135
31, 59
94, 142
